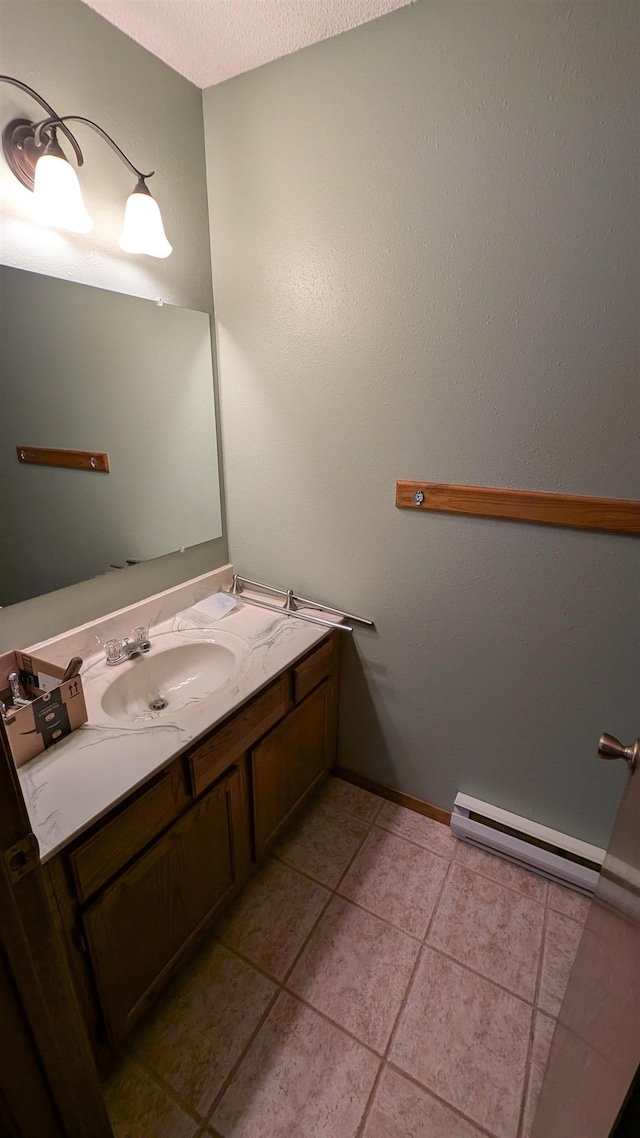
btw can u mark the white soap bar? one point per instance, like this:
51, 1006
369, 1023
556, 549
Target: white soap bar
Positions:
217, 605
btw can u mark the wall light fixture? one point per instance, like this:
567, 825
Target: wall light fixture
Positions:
35, 156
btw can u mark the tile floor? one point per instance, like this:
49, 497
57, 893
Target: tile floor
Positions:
377, 979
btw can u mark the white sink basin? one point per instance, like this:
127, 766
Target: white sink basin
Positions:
174, 675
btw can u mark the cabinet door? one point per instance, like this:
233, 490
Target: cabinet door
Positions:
138, 926
289, 761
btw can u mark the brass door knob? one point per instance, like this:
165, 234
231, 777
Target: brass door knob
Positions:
611, 748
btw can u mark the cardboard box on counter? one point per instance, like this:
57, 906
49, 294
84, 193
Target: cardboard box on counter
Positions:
55, 710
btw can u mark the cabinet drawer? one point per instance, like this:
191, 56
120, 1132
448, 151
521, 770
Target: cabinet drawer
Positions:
308, 674
210, 759
97, 859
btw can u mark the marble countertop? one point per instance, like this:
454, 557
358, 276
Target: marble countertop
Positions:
82, 777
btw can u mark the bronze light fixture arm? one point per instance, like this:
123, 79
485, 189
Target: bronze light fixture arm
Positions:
54, 122
30, 149
50, 111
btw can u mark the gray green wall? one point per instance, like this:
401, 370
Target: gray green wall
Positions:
425, 267
83, 65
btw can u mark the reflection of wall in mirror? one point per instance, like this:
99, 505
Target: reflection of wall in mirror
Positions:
83, 368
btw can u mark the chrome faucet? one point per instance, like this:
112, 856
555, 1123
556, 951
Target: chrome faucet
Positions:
117, 651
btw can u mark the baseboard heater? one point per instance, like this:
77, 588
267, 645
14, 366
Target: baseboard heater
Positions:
557, 856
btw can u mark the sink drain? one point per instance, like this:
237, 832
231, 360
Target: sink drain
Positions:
158, 704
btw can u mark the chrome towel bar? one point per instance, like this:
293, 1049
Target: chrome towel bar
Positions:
291, 602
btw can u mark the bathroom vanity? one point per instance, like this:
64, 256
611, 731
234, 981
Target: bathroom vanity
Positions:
135, 874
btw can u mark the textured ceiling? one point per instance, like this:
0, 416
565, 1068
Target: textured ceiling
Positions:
211, 40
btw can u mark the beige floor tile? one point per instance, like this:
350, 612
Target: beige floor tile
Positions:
417, 828
301, 1078
198, 1032
396, 880
273, 916
466, 1040
568, 902
402, 1110
542, 1036
322, 842
138, 1108
351, 798
561, 942
502, 871
355, 969
491, 929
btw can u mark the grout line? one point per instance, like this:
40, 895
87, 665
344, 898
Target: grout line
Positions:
232, 1073
436, 907
317, 799
250, 963
527, 1066
352, 859
330, 898
167, 1089
304, 873
209, 1132
416, 845
536, 994
571, 920
333, 891
469, 968
280, 984
553, 907
372, 913
504, 884
413, 842
576, 920
300, 1000
327, 1018
370, 1101
280, 988
482, 976
419, 959
480, 872
326, 801
359, 789
400, 1013
454, 1109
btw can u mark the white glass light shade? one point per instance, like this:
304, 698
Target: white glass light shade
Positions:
57, 197
143, 231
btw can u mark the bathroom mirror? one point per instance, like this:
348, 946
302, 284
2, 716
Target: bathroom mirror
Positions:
85, 369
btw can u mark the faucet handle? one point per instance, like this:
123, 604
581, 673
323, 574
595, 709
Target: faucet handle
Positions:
141, 638
113, 649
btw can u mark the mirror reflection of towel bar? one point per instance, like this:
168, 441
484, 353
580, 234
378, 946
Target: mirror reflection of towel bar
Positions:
72, 459
291, 601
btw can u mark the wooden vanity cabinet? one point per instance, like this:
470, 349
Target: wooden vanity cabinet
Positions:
232, 740
288, 763
132, 894
145, 919
299, 752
